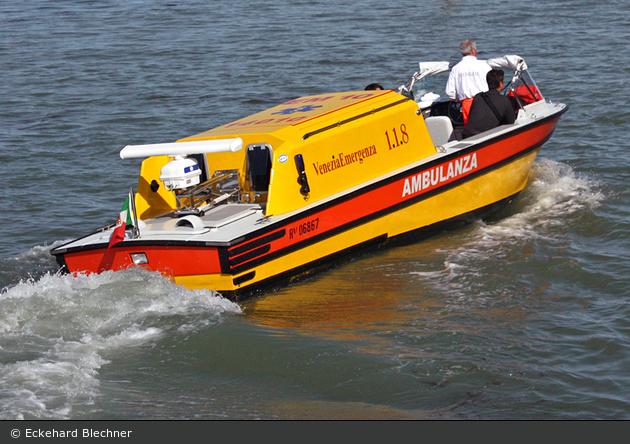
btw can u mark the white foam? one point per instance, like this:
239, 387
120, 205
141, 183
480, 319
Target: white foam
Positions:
55, 330
554, 195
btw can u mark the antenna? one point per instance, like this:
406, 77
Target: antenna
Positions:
182, 148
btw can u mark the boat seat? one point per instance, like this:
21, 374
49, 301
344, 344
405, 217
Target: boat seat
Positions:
441, 129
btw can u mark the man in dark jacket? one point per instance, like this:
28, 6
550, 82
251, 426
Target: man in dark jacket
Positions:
489, 109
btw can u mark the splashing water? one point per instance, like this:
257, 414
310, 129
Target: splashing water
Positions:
57, 331
554, 196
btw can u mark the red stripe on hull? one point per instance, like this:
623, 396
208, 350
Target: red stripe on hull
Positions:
169, 260
401, 190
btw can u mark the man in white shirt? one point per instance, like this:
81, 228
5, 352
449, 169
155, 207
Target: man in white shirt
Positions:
467, 78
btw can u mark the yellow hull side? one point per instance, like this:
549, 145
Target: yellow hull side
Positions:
477, 193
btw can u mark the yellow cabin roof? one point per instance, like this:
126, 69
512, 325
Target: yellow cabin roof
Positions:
343, 139
301, 113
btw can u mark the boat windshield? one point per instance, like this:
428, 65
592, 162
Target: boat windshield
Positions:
523, 88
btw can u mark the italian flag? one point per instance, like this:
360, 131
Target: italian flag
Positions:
124, 219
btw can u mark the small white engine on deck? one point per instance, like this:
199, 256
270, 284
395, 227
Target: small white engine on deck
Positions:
180, 173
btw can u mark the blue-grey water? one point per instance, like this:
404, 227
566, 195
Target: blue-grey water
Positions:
524, 316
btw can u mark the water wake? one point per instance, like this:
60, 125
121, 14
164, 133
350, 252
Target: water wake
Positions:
536, 226
57, 331
544, 211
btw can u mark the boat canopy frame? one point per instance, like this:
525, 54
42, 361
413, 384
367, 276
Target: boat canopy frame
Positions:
426, 69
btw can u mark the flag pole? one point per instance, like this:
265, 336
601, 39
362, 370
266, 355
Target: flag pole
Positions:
132, 204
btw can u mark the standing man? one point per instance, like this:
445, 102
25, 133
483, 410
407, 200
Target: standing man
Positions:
467, 78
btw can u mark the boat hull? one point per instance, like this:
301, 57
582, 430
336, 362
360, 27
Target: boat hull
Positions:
470, 183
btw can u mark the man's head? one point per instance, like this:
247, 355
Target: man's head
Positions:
495, 78
374, 87
468, 47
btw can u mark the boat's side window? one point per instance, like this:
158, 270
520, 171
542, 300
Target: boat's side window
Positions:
259, 166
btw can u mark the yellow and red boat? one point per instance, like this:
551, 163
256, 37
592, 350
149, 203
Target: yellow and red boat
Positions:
271, 198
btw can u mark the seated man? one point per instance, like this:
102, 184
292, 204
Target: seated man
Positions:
489, 109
